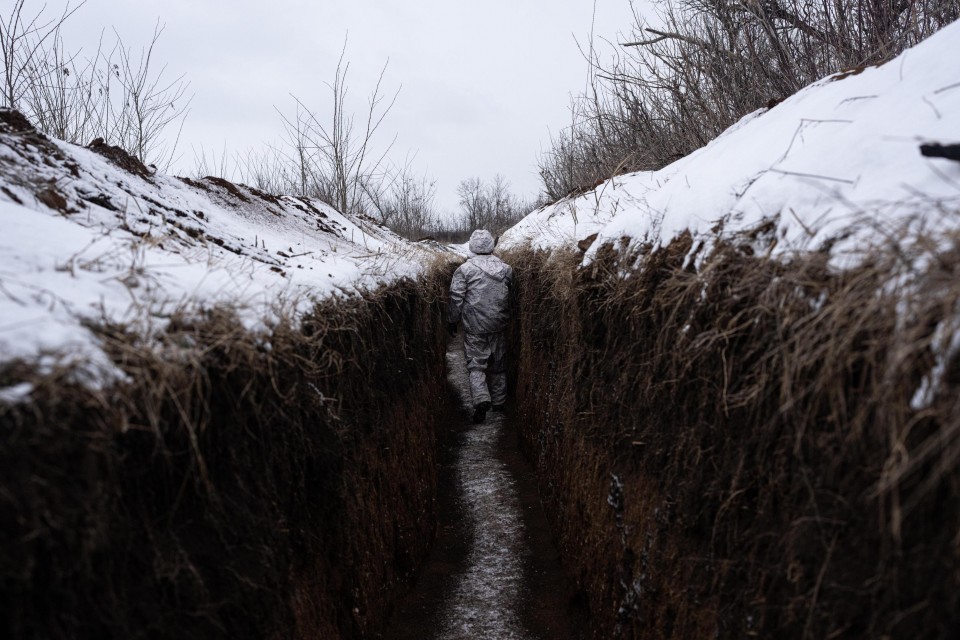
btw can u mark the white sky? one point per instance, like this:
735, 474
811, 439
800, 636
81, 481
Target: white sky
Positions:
482, 84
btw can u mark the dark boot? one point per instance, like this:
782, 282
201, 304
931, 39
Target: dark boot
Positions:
480, 412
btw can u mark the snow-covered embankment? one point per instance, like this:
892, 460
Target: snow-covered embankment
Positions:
742, 387
204, 407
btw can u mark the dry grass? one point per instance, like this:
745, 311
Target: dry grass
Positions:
236, 485
674, 83
734, 452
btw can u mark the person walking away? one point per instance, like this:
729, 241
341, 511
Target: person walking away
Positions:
479, 296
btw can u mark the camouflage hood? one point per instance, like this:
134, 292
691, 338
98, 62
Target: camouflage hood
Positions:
481, 242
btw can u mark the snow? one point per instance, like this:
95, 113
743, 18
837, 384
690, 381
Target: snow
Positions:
834, 167
486, 600
16, 394
122, 248
946, 345
461, 249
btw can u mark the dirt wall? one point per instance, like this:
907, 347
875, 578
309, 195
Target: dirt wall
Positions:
732, 452
237, 485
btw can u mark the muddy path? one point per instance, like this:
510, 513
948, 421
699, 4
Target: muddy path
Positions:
494, 572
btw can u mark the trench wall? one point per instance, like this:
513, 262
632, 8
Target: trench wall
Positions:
732, 453
235, 486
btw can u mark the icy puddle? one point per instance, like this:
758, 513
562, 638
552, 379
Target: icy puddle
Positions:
485, 600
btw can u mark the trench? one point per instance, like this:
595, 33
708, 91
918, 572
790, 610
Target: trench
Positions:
494, 571
679, 514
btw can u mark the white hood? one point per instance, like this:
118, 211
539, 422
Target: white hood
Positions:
481, 242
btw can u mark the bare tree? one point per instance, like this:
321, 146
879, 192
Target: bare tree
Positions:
150, 104
489, 206
473, 205
269, 170
114, 95
22, 41
337, 160
406, 203
61, 100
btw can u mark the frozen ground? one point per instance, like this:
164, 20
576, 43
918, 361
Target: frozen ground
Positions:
494, 571
486, 599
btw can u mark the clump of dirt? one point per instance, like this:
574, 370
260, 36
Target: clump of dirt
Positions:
852, 71
234, 190
26, 142
266, 197
230, 188
12, 121
53, 199
120, 158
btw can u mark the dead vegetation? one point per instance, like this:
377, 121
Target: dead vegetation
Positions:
235, 484
108, 93
754, 449
678, 79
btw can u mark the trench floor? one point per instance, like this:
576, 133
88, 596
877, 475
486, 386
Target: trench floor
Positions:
494, 571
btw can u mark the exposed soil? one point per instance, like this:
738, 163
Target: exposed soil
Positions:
494, 571
121, 158
550, 606
246, 497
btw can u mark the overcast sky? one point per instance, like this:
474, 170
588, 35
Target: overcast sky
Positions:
482, 84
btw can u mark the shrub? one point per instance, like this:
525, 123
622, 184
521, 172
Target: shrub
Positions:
672, 88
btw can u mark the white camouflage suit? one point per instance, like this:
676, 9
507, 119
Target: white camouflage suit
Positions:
479, 296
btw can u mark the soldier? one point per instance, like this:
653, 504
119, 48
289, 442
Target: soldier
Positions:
479, 295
